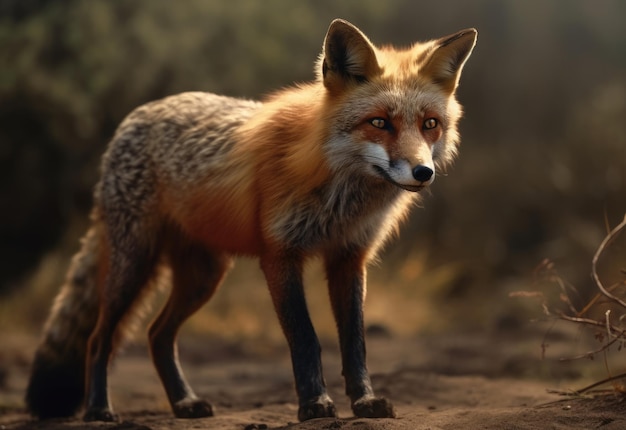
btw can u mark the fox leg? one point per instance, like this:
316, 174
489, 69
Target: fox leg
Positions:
128, 273
284, 278
196, 275
346, 274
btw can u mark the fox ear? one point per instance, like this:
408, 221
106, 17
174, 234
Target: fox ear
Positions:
348, 56
448, 57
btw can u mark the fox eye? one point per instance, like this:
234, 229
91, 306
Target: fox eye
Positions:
430, 123
379, 123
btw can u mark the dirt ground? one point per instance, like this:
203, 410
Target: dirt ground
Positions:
481, 381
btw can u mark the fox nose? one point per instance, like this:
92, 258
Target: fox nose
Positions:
422, 173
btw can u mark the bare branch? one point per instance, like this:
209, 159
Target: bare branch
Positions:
602, 382
604, 347
607, 240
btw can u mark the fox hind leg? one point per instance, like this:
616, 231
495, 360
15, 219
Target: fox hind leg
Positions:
131, 265
196, 275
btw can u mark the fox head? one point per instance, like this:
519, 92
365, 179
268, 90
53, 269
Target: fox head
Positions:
394, 112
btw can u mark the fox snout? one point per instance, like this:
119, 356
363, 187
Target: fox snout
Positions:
403, 175
422, 173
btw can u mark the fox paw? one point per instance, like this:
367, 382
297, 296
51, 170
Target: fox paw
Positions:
192, 408
97, 414
320, 407
373, 407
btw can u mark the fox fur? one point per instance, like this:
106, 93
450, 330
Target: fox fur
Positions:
326, 169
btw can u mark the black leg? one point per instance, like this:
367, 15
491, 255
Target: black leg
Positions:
128, 274
346, 282
196, 275
284, 278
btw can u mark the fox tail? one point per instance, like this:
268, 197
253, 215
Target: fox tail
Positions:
57, 382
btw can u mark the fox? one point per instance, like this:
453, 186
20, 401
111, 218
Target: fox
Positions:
327, 169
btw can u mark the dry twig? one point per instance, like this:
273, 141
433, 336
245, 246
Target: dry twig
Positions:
609, 330
594, 263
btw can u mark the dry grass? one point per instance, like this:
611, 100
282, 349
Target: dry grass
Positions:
603, 316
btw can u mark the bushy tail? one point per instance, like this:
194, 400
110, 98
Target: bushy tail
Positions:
57, 382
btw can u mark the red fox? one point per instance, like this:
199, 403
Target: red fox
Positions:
326, 169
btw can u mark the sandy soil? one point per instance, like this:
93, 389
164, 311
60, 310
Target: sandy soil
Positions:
443, 382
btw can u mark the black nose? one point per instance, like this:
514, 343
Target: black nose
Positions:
422, 173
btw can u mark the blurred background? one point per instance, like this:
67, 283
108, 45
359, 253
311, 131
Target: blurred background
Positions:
541, 173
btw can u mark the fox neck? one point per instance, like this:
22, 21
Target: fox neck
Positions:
307, 200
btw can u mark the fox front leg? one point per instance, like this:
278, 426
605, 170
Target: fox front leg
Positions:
346, 275
284, 277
